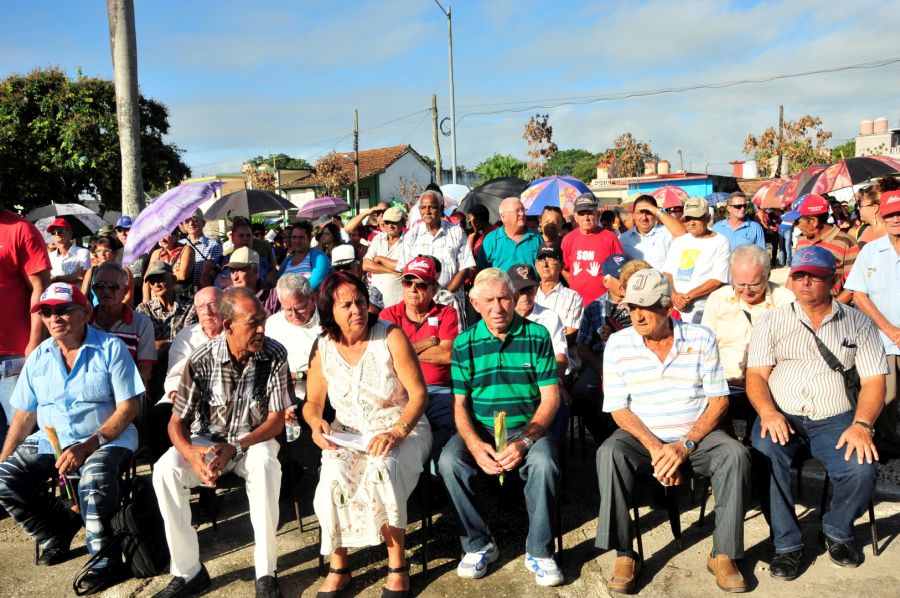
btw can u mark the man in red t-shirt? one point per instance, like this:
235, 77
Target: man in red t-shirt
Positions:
431, 328
24, 274
586, 248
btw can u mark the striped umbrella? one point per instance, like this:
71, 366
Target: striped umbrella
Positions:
555, 191
670, 196
767, 195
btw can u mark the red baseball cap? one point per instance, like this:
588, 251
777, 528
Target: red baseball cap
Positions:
813, 205
59, 223
60, 293
420, 267
890, 203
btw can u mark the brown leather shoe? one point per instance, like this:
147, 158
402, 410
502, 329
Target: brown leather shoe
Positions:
624, 575
728, 576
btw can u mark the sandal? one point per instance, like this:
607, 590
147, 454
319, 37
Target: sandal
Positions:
386, 593
339, 591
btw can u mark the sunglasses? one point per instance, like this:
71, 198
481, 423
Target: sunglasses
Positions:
58, 231
122, 230
105, 286
61, 311
585, 212
342, 267
419, 285
156, 280
738, 206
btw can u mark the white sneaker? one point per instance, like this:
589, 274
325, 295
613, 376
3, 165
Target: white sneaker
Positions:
475, 564
546, 571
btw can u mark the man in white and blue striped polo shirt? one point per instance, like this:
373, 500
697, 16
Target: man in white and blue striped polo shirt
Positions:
665, 387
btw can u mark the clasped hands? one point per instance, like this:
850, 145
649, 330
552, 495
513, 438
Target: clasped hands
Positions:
666, 460
493, 462
209, 462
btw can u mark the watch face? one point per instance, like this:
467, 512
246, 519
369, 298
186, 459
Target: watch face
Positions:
690, 445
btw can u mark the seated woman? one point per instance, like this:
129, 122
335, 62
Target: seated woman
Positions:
104, 250
369, 372
303, 259
171, 252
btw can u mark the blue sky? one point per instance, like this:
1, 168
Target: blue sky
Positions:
248, 78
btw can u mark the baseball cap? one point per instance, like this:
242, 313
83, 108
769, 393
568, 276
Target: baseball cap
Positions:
124, 222
393, 214
158, 268
814, 259
813, 205
612, 266
60, 293
696, 207
890, 203
242, 257
549, 250
420, 267
523, 276
646, 287
59, 223
342, 255
105, 230
585, 201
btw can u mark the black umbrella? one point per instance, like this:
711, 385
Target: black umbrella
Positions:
246, 203
491, 193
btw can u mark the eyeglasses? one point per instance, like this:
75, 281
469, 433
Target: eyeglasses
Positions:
798, 276
516, 211
56, 232
211, 306
105, 286
868, 205
419, 285
738, 206
123, 231
585, 212
158, 280
343, 267
391, 223
548, 258
60, 311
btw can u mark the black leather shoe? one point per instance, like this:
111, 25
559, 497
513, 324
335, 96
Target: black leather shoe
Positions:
97, 580
58, 550
840, 553
786, 565
178, 587
267, 587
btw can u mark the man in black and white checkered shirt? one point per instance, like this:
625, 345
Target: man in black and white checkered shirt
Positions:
227, 412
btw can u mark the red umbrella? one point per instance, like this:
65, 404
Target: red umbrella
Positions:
790, 191
852, 171
766, 196
671, 197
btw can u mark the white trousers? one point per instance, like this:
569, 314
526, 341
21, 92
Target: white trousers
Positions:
173, 479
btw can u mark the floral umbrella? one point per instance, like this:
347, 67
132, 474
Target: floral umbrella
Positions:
791, 190
555, 191
671, 196
851, 171
767, 195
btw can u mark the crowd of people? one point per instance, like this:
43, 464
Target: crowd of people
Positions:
407, 347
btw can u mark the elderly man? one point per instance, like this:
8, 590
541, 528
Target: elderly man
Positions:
803, 403
369, 222
504, 362
296, 326
513, 242
228, 410
665, 388
650, 237
168, 312
431, 328
875, 283
82, 384
243, 264
205, 249
585, 248
697, 263
112, 316
446, 242
738, 227
811, 217
553, 294
381, 258
68, 261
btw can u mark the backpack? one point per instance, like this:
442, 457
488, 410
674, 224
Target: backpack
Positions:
137, 533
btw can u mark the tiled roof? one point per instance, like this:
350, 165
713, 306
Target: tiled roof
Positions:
371, 162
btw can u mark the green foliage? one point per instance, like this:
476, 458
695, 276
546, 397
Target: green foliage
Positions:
844, 150
585, 170
281, 161
565, 161
501, 166
59, 139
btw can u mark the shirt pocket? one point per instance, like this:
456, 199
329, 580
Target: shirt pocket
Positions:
96, 388
45, 391
259, 409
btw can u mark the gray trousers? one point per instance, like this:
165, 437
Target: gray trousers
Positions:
718, 456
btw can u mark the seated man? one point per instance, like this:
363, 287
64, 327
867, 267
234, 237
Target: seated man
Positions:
803, 403
525, 283
665, 388
83, 384
244, 267
527, 390
168, 312
228, 410
296, 327
554, 295
431, 328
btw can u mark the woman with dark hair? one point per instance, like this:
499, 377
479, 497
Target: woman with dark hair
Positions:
329, 237
375, 385
172, 252
103, 250
307, 261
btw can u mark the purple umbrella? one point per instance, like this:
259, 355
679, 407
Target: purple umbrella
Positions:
322, 206
164, 214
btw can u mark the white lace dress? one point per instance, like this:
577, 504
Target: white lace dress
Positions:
357, 493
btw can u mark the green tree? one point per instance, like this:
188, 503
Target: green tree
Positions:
802, 143
844, 150
501, 166
565, 161
585, 170
59, 139
281, 161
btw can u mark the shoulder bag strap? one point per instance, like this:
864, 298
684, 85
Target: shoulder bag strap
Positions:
833, 362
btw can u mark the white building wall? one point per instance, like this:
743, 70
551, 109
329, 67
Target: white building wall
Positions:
411, 169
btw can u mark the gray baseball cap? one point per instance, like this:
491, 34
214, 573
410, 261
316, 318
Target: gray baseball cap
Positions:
646, 287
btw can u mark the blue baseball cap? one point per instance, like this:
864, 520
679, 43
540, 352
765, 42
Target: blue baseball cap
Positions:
612, 266
815, 260
124, 222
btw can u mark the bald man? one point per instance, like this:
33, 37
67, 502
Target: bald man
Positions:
512, 243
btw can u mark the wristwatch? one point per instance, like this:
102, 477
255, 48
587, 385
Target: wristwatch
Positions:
867, 427
689, 444
238, 451
528, 442
101, 439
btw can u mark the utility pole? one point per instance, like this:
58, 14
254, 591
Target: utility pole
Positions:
780, 133
438, 172
452, 92
355, 206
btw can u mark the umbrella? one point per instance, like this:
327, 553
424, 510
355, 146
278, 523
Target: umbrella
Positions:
849, 172
717, 197
670, 196
246, 203
84, 221
767, 195
491, 193
555, 191
164, 214
791, 190
322, 206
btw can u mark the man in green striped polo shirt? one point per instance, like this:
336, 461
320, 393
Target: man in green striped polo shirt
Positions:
503, 363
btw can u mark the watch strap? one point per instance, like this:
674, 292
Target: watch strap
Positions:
867, 427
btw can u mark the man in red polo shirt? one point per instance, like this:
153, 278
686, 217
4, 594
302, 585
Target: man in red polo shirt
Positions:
431, 328
586, 248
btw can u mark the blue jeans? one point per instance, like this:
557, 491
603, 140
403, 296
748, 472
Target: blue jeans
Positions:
785, 246
539, 471
853, 483
22, 473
